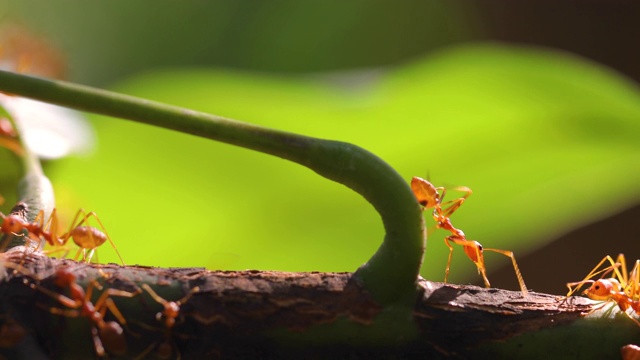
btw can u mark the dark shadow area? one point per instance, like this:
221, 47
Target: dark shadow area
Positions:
606, 32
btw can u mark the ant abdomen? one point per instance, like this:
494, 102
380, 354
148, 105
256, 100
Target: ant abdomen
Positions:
113, 338
88, 237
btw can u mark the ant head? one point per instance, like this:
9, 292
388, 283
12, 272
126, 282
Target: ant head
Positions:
12, 224
602, 289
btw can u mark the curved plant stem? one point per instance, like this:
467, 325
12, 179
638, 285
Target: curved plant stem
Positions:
389, 275
34, 189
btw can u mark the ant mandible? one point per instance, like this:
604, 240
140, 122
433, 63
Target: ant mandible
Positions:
168, 315
106, 334
429, 197
88, 238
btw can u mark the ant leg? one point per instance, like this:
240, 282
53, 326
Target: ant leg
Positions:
97, 343
591, 274
109, 304
105, 302
62, 299
64, 312
449, 207
623, 269
633, 286
443, 192
463, 189
446, 270
40, 219
74, 223
91, 252
523, 287
570, 285
189, 295
85, 258
578, 284
84, 255
62, 239
51, 226
58, 250
159, 299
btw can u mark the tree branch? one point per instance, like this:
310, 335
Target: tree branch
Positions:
265, 314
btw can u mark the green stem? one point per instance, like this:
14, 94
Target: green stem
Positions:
389, 275
34, 189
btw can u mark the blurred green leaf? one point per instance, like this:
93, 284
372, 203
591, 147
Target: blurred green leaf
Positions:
11, 170
546, 140
105, 40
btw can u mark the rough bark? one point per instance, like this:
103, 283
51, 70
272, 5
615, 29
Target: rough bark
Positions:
267, 314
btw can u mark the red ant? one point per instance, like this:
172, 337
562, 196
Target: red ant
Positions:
618, 267
168, 315
429, 197
86, 237
106, 334
621, 289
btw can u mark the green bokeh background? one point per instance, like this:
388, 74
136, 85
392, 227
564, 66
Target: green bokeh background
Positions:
547, 140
